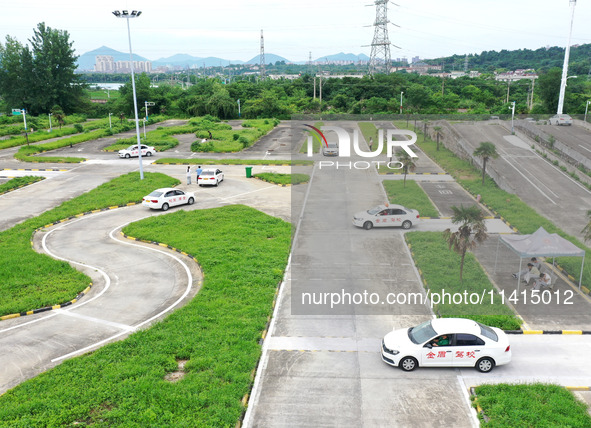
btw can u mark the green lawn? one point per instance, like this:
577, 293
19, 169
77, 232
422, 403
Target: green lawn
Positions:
18, 182
411, 196
217, 334
29, 280
283, 179
530, 405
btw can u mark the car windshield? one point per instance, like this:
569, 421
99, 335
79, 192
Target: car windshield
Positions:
132, 148
156, 193
375, 210
488, 332
207, 173
331, 145
422, 332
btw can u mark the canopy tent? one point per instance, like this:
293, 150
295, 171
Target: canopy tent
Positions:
542, 243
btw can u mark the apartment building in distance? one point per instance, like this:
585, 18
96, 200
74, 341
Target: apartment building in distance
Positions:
106, 64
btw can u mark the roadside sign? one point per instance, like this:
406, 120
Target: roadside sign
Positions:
16, 112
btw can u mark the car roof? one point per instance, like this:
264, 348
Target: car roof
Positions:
455, 325
391, 206
210, 169
165, 189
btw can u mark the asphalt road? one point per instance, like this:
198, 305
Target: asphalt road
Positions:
547, 189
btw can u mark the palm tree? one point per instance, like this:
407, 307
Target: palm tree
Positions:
472, 231
587, 229
437, 129
406, 161
58, 114
486, 151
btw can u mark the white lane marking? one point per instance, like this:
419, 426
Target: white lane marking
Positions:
97, 320
246, 193
583, 147
530, 182
169, 308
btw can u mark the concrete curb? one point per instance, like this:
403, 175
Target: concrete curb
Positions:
572, 332
33, 169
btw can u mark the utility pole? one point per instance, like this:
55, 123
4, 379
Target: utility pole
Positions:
262, 57
380, 46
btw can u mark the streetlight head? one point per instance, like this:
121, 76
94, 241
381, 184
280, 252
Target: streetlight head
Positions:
117, 13
125, 13
139, 12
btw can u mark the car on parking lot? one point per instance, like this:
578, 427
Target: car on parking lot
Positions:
167, 197
330, 149
561, 119
210, 177
447, 342
385, 216
132, 151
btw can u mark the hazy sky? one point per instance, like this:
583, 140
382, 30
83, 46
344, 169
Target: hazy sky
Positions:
231, 30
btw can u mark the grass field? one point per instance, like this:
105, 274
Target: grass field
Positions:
530, 405
411, 196
283, 179
18, 182
29, 280
217, 334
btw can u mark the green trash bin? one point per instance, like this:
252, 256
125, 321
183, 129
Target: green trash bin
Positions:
249, 172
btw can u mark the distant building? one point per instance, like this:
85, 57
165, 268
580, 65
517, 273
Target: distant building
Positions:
511, 76
106, 64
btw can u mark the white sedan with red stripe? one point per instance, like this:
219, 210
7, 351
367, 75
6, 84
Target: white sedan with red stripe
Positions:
163, 199
447, 342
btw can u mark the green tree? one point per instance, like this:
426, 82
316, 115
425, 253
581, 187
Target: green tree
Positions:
486, 151
16, 78
472, 231
548, 89
407, 163
54, 64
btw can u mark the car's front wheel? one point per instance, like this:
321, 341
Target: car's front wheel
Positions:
367, 225
406, 224
191, 201
127, 155
408, 364
165, 207
485, 364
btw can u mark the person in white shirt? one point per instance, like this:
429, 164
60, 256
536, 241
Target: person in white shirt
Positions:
543, 281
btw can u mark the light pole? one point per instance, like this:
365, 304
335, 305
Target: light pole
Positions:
587, 108
146, 105
110, 120
127, 16
565, 65
512, 115
401, 102
49, 114
238, 109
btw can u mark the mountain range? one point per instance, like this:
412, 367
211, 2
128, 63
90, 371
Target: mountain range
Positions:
87, 60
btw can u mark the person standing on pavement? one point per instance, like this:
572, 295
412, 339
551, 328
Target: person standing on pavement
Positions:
189, 174
198, 172
370, 144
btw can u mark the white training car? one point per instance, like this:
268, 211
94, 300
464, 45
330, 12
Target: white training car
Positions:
210, 177
386, 215
561, 119
447, 342
331, 149
167, 197
132, 151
